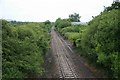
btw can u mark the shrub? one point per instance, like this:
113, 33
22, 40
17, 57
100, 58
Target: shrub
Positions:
24, 48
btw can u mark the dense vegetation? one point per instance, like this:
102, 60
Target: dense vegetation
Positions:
99, 41
24, 47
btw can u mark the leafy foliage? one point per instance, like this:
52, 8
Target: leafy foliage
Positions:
74, 17
47, 25
115, 5
73, 33
24, 48
101, 39
61, 23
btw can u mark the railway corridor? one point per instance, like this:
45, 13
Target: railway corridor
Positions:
63, 59
65, 65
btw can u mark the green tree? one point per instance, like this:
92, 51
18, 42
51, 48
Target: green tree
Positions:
47, 22
61, 23
115, 5
101, 41
74, 17
47, 25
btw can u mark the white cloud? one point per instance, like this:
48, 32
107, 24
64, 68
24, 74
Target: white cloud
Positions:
41, 10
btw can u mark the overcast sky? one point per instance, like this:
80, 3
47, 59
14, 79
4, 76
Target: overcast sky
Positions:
42, 10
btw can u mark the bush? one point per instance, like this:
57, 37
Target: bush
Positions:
101, 39
61, 23
24, 49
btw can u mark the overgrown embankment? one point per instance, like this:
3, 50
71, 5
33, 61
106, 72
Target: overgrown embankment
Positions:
23, 49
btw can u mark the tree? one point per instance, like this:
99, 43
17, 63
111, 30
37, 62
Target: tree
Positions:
115, 5
47, 25
101, 41
74, 17
47, 22
61, 23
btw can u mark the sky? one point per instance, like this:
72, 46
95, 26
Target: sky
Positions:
42, 10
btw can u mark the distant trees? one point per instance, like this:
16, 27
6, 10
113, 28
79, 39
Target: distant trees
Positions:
47, 22
74, 17
47, 25
61, 23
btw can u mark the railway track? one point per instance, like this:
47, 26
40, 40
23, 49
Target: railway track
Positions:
66, 67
